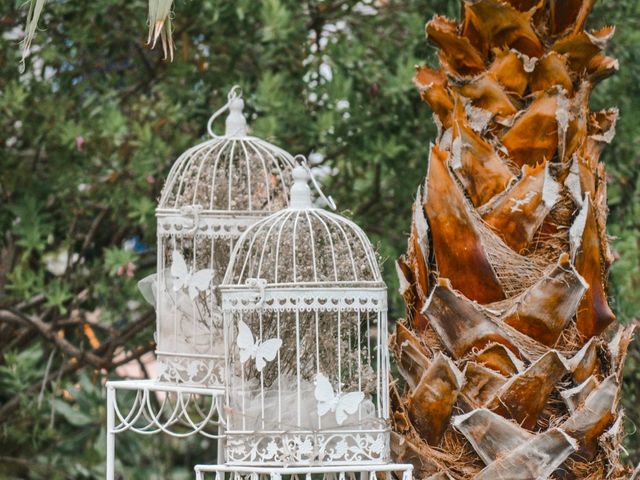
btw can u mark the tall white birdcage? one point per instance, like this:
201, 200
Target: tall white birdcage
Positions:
305, 311
214, 192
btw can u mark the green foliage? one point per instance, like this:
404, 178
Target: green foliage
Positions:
90, 130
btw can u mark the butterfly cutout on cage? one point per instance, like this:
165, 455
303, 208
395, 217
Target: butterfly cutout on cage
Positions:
262, 352
194, 282
342, 404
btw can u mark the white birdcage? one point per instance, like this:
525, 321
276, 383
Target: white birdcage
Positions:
214, 192
305, 311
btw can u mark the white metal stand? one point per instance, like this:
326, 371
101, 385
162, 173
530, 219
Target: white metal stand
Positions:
342, 472
179, 411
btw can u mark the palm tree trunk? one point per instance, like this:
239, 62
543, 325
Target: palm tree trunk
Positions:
509, 358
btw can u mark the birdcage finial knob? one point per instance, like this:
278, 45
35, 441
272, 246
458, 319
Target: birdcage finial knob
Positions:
236, 124
300, 191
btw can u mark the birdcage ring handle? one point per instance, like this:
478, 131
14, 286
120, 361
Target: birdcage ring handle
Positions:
235, 92
302, 160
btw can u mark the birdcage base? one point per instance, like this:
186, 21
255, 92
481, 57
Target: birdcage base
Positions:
338, 447
200, 371
350, 472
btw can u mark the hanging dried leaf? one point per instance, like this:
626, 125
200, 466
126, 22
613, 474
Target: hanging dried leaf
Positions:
35, 11
160, 26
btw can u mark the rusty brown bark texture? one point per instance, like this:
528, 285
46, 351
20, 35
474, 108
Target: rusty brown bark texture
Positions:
509, 359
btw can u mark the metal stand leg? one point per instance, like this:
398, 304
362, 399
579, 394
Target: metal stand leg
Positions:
111, 436
220, 441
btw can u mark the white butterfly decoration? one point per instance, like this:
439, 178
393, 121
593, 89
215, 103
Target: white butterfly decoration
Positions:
194, 282
262, 352
343, 404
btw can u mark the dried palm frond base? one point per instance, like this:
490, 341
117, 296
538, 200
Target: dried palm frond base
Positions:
509, 360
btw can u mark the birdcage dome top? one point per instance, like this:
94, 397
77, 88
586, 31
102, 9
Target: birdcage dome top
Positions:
304, 245
235, 172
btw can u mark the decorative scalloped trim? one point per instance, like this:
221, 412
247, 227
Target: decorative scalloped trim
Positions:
308, 448
201, 372
227, 227
180, 413
306, 300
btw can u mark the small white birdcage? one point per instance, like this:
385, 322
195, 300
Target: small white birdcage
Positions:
305, 311
214, 192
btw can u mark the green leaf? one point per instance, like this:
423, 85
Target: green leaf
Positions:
74, 416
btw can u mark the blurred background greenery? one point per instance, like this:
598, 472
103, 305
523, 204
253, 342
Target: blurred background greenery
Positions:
89, 132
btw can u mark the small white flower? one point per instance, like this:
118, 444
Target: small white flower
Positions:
192, 369
315, 158
378, 445
306, 447
272, 450
342, 104
341, 449
56, 262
